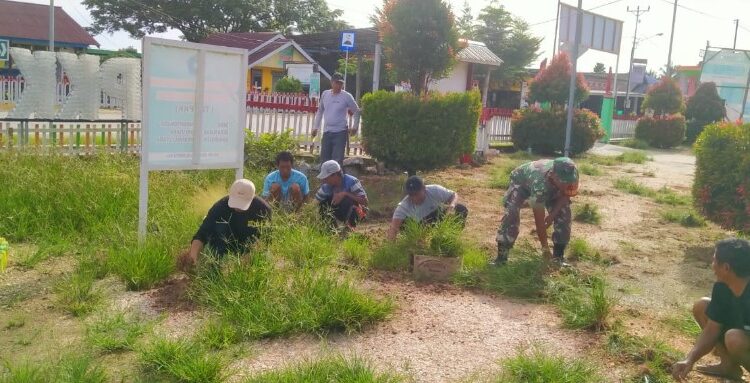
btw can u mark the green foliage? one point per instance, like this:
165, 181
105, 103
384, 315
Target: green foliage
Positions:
579, 249
500, 175
636, 157
633, 143
76, 293
703, 108
544, 130
666, 196
552, 84
539, 367
629, 185
261, 151
288, 85
722, 188
655, 356
356, 250
590, 170
329, 369
600, 68
199, 20
510, 38
71, 368
113, 332
633, 157
183, 361
521, 277
664, 98
421, 48
661, 132
443, 239
582, 300
587, 213
684, 323
144, 265
414, 133
465, 23
685, 217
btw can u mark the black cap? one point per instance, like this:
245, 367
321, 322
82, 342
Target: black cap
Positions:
337, 77
413, 184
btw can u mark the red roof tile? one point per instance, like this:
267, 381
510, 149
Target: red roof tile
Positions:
31, 21
246, 40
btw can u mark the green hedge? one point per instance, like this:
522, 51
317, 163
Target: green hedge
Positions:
722, 185
544, 130
661, 132
288, 85
419, 133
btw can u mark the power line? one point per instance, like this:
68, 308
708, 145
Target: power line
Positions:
698, 11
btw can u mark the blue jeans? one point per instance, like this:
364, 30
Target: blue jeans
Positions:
333, 146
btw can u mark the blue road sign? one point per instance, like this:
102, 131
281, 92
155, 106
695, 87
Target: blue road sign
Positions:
347, 41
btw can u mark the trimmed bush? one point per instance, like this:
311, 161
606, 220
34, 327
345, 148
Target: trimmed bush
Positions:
664, 98
415, 133
288, 85
704, 108
552, 84
661, 132
544, 130
261, 151
721, 184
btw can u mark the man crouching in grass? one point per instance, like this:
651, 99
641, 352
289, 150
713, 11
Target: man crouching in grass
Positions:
725, 317
231, 225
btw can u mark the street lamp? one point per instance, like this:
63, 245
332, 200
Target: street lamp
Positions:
630, 66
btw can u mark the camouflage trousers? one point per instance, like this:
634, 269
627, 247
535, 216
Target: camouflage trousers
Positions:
509, 228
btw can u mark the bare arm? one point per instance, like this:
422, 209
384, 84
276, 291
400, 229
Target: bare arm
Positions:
318, 117
356, 111
453, 201
705, 343
393, 229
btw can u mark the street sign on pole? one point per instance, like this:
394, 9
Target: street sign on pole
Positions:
347, 41
4, 50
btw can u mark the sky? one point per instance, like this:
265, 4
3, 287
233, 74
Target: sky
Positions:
698, 21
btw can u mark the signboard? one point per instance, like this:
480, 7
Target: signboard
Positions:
193, 109
314, 85
347, 41
730, 71
597, 32
4, 50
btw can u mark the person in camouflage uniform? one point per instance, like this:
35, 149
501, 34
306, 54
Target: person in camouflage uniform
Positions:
546, 184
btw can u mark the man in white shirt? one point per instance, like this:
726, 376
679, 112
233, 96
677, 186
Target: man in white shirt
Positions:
335, 105
425, 204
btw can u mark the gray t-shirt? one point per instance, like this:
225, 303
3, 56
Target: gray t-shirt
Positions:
335, 108
436, 196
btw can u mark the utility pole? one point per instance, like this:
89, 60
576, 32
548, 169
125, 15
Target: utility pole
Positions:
671, 39
736, 26
637, 12
573, 78
557, 23
51, 25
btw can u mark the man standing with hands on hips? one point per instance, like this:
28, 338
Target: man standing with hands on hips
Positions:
335, 105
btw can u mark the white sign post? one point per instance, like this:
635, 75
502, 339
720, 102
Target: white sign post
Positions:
347, 45
193, 110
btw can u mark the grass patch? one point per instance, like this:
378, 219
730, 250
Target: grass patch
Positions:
76, 293
143, 266
580, 250
666, 196
654, 356
684, 323
113, 332
633, 143
183, 361
539, 367
330, 369
583, 301
684, 217
500, 175
587, 213
356, 250
259, 300
635, 157
590, 169
71, 368
629, 185
521, 277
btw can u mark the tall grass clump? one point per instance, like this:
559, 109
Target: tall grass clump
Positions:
258, 299
76, 293
144, 265
630, 186
686, 217
113, 332
183, 361
587, 213
328, 369
305, 244
500, 175
589, 169
655, 357
71, 368
636, 157
356, 250
633, 143
521, 277
580, 249
540, 367
582, 300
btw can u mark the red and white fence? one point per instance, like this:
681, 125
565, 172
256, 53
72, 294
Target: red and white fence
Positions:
279, 112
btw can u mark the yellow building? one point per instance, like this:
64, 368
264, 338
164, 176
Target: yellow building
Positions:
268, 56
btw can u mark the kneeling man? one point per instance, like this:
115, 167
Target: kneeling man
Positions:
426, 204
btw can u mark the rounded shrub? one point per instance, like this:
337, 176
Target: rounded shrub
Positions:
544, 130
664, 98
722, 187
419, 133
553, 82
704, 108
288, 85
661, 132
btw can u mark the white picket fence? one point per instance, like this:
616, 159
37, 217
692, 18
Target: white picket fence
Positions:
623, 128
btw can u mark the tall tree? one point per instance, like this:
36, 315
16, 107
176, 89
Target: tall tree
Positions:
420, 39
510, 38
197, 19
600, 68
465, 23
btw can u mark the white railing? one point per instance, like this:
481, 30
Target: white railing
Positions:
623, 128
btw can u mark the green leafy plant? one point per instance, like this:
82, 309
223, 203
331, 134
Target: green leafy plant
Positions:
328, 369
664, 98
288, 85
705, 107
587, 213
721, 188
661, 132
544, 130
261, 151
442, 126
552, 83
